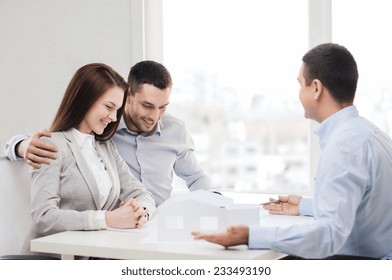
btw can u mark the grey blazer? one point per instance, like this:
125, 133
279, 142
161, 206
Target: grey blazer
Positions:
64, 194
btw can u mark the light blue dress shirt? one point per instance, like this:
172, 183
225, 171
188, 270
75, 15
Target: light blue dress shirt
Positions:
353, 195
153, 157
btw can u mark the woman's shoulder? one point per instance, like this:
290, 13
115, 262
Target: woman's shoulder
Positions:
58, 139
55, 137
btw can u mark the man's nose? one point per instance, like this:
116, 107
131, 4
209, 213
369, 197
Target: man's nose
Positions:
155, 114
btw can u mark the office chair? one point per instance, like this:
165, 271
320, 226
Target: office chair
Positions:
15, 210
27, 257
334, 257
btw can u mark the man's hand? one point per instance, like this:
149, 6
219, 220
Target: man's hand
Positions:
36, 152
235, 235
289, 205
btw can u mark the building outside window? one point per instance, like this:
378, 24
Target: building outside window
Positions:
366, 36
234, 66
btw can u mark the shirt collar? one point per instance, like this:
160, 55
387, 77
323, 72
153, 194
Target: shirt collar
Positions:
82, 138
156, 130
326, 128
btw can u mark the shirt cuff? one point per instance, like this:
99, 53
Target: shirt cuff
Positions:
9, 149
306, 207
100, 221
260, 237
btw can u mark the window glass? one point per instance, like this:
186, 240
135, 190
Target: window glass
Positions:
234, 66
366, 35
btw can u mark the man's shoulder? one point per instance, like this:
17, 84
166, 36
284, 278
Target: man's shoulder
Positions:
355, 133
169, 120
359, 129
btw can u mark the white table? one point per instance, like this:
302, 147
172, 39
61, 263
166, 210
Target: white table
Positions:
135, 244
127, 245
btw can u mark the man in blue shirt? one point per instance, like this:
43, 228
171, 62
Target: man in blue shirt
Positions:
152, 142
353, 191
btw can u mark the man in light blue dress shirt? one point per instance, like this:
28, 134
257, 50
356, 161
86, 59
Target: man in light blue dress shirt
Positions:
153, 143
353, 184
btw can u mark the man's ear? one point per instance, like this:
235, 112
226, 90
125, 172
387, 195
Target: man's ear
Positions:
129, 98
318, 89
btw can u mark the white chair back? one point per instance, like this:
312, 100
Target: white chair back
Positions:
15, 218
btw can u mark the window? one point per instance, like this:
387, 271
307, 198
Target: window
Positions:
366, 36
234, 65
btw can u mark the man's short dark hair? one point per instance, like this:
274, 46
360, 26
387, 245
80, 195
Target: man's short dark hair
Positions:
335, 67
148, 72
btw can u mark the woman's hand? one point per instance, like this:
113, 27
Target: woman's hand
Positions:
129, 215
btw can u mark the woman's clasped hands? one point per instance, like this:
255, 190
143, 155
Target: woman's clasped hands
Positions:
130, 214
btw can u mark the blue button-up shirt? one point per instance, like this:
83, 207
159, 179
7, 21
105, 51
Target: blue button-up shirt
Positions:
153, 157
353, 195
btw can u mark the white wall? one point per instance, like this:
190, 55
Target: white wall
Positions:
43, 42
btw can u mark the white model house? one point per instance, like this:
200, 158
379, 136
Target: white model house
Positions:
201, 211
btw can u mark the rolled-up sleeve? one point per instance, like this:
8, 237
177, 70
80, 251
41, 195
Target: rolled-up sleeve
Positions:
9, 149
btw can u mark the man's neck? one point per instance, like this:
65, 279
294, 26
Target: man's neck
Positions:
332, 108
130, 125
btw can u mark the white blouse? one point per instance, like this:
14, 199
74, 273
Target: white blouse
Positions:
86, 143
